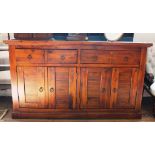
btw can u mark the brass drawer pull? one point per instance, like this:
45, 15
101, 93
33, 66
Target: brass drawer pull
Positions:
41, 89
51, 90
29, 56
63, 57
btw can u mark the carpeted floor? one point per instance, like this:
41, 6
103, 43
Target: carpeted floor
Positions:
147, 113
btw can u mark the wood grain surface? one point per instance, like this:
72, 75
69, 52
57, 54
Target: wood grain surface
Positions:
77, 79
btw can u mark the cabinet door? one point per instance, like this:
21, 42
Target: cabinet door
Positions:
95, 87
124, 87
31, 87
62, 87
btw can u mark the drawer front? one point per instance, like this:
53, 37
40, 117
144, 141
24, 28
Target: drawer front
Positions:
62, 56
95, 56
29, 56
125, 57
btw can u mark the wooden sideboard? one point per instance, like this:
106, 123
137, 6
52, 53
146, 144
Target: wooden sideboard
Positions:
77, 79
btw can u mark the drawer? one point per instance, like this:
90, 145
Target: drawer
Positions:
29, 56
125, 57
62, 56
95, 56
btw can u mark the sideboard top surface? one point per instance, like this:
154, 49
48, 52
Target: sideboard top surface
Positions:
99, 43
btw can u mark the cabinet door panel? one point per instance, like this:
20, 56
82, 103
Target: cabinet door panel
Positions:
31, 87
62, 87
95, 87
124, 87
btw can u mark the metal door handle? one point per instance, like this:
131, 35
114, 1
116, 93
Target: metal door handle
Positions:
103, 90
29, 56
41, 89
51, 90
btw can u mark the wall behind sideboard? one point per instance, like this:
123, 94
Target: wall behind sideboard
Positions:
144, 37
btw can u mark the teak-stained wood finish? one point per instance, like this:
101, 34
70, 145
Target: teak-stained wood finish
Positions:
95, 56
29, 56
124, 88
31, 87
95, 87
77, 79
62, 87
61, 56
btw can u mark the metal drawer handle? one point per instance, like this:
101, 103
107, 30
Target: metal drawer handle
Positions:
29, 56
51, 90
126, 58
41, 89
62, 57
114, 90
103, 90
94, 58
